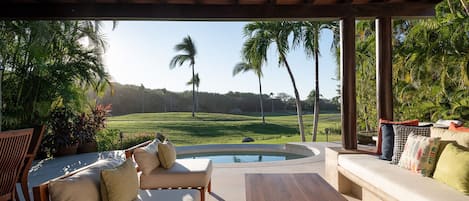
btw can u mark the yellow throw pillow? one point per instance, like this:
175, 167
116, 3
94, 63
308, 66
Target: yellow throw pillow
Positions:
147, 158
453, 168
166, 154
120, 183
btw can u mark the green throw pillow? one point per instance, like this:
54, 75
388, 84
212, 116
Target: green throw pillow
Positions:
453, 168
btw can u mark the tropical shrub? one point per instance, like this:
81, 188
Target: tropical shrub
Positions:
108, 139
86, 126
46, 64
61, 129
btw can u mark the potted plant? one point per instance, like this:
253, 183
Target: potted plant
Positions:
61, 132
86, 127
83, 129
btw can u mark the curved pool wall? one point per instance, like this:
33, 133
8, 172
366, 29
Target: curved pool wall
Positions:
292, 148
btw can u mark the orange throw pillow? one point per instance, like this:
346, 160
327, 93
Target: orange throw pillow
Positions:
414, 122
454, 127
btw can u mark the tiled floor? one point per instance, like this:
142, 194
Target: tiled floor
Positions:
227, 179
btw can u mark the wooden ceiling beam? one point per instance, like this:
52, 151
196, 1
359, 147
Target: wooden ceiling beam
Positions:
126, 11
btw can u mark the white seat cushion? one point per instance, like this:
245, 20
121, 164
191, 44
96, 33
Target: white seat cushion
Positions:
184, 173
169, 195
397, 182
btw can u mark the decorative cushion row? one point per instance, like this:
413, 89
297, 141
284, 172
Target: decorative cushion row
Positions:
400, 138
419, 154
380, 137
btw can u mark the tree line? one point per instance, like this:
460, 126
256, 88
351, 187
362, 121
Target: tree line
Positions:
127, 99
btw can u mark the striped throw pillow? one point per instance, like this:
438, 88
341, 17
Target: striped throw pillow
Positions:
419, 154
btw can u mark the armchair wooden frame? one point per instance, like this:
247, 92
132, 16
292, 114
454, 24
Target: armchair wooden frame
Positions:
36, 139
129, 153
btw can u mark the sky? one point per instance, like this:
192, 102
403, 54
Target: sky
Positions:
139, 52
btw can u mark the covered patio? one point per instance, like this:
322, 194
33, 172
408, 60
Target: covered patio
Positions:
229, 180
240, 10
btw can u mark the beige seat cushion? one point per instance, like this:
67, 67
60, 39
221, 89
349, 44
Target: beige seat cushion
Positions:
147, 158
120, 183
166, 154
398, 182
462, 138
169, 195
184, 173
83, 185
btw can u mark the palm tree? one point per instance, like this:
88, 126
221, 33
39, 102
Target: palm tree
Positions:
311, 34
268, 33
189, 51
196, 81
257, 69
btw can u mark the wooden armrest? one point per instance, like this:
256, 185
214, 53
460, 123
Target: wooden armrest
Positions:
130, 151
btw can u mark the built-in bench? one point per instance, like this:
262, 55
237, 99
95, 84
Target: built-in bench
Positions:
365, 177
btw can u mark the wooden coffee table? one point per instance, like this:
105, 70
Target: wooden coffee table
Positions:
289, 187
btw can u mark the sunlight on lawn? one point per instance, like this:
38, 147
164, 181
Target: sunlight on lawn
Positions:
214, 128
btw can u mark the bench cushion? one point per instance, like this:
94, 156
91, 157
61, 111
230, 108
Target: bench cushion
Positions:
184, 173
396, 181
169, 195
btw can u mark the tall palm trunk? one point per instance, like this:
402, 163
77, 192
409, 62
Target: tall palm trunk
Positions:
297, 100
316, 98
260, 100
193, 92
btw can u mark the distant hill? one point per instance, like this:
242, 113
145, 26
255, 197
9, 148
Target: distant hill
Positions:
127, 99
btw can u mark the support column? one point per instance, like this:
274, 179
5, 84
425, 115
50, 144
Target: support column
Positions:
348, 76
384, 98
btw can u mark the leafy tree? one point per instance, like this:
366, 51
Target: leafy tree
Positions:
48, 65
189, 52
277, 33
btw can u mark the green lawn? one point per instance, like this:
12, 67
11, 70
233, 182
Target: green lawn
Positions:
214, 128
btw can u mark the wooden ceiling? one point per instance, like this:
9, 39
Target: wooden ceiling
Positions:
212, 9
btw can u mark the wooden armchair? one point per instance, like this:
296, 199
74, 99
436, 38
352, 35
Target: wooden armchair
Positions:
13, 148
36, 139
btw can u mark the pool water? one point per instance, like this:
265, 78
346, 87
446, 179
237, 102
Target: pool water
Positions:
243, 157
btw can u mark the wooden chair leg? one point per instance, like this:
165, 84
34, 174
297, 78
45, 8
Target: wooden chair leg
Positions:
25, 188
209, 188
202, 194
